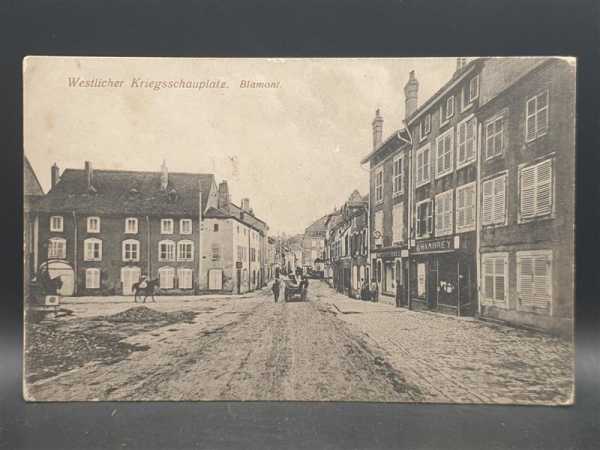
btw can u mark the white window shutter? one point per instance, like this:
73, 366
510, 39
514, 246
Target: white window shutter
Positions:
488, 198
499, 282
499, 200
528, 191
526, 280
544, 188
439, 215
460, 207
469, 217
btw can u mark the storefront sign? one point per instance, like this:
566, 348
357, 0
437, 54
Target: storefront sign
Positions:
434, 245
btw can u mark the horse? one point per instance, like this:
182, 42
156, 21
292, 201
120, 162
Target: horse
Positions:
151, 286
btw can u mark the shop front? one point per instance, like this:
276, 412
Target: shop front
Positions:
394, 274
443, 275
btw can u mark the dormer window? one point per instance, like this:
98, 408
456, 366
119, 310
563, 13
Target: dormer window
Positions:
93, 224
172, 195
166, 226
56, 223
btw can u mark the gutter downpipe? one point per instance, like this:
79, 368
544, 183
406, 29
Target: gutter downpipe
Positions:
410, 211
478, 221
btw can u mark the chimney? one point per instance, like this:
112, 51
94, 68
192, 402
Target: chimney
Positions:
223, 196
460, 63
89, 175
411, 90
164, 176
246, 204
54, 171
377, 129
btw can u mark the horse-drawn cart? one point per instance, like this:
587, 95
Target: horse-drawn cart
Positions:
294, 291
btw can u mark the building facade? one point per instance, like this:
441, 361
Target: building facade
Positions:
101, 230
313, 245
527, 199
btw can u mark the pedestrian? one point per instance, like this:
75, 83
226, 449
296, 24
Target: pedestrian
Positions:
276, 288
374, 291
364, 289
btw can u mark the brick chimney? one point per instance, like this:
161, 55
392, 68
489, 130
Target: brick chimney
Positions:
164, 176
54, 175
89, 175
377, 129
223, 196
246, 204
411, 91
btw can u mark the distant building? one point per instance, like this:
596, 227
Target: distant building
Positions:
32, 193
100, 230
313, 245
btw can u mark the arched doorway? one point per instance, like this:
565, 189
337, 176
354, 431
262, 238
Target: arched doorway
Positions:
65, 272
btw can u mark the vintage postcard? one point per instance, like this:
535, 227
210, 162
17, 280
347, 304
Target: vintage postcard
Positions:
360, 229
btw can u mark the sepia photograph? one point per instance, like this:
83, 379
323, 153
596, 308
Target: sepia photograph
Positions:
299, 229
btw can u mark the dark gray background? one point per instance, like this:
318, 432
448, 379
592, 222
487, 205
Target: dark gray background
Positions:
300, 28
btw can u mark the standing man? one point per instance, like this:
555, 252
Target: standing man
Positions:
275, 289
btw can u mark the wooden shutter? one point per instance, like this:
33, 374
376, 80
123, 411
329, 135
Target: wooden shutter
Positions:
534, 280
462, 142
530, 121
469, 201
460, 207
470, 140
488, 199
439, 214
543, 195
449, 211
488, 277
499, 200
499, 279
528, 191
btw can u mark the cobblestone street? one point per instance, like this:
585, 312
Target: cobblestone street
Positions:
329, 348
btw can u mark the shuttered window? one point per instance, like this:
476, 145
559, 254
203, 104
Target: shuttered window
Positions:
465, 207
398, 175
184, 277
423, 172
466, 142
495, 278
493, 210
536, 121
92, 278
185, 251
443, 213
379, 185
534, 280
398, 222
494, 137
92, 249
536, 190
449, 107
166, 277
444, 153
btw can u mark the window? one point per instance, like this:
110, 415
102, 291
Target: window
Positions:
93, 225
92, 250
465, 207
423, 164
424, 219
473, 88
536, 122
443, 213
166, 226
444, 153
216, 227
131, 225
467, 138
185, 251
495, 278
57, 248
92, 278
398, 223
536, 190
166, 276
56, 223
493, 211
185, 226
425, 126
131, 250
398, 175
215, 252
494, 137
379, 228
449, 107
166, 251
534, 280
252, 254
240, 253
185, 278
379, 185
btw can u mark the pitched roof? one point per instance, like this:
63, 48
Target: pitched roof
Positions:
235, 212
128, 192
318, 225
398, 137
31, 184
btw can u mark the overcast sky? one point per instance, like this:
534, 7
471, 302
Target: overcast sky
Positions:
295, 150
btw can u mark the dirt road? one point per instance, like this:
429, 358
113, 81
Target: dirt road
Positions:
240, 349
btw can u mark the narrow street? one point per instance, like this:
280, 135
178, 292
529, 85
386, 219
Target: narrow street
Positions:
329, 348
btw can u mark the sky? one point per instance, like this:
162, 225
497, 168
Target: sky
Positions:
293, 150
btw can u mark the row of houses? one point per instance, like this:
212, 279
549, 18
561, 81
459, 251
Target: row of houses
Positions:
471, 203
101, 230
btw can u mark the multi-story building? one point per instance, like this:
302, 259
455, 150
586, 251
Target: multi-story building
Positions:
332, 220
388, 204
313, 244
528, 196
100, 230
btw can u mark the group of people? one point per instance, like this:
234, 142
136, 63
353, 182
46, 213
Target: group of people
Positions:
297, 280
369, 292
